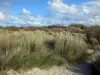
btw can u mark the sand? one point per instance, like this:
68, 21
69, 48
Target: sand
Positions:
52, 71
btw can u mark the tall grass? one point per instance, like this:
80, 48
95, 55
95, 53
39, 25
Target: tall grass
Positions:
27, 49
70, 47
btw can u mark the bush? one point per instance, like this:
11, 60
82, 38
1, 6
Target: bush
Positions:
75, 30
97, 63
81, 26
93, 32
12, 28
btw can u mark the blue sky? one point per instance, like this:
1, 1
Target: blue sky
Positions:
48, 12
37, 7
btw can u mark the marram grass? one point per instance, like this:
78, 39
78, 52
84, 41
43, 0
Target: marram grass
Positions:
27, 49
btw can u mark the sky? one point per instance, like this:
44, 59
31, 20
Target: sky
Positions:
49, 12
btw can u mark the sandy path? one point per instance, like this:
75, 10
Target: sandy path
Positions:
52, 71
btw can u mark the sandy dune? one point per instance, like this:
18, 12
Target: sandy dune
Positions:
52, 71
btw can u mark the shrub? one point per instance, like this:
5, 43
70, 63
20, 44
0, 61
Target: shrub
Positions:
81, 26
50, 44
75, 30
12, 28
93, 32
97, 47
97, 63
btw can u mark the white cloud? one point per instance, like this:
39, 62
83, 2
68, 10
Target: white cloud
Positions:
24, 20
59, 6
2, 16
92, 11
92, 8
94, 2
86, 13
26, 11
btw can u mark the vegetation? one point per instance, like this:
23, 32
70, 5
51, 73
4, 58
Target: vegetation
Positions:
43, 47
